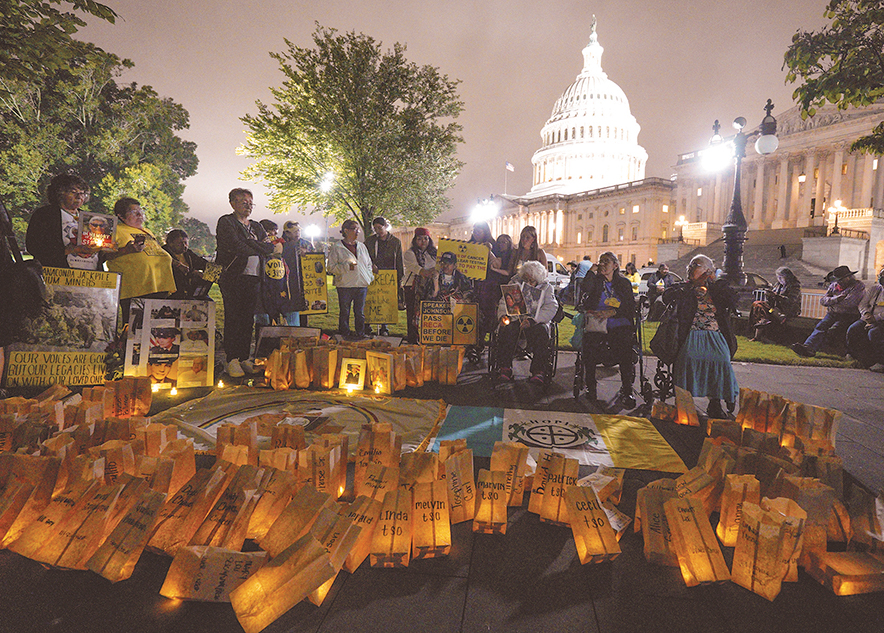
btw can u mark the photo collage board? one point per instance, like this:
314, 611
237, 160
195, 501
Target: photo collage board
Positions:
172, 342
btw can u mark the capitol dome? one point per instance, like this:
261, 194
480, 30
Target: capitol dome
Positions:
591, 140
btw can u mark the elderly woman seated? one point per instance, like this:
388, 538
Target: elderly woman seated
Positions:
541, 308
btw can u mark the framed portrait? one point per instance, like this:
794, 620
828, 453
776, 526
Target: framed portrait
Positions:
352, 374
515, 302
97, 230
380, 372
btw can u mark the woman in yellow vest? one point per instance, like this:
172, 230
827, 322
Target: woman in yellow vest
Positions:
140, 258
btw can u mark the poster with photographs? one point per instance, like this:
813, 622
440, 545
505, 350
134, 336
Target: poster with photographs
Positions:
67, 342
352, 374
532, 298
514, 300
97, 230
380, 372
172, 342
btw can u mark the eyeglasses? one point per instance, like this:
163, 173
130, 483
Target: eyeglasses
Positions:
77, 193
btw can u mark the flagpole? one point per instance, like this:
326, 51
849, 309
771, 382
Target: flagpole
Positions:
505, 176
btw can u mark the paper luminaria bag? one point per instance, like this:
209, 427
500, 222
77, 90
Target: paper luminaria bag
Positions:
431, 524
391, 543
461, 486
738, 490
511, 458
658, 546
209, 574
695, 545
365, 513
593, 535
491, 496
561, 473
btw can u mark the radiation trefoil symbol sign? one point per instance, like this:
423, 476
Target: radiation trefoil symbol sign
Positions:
552, 434
465, 324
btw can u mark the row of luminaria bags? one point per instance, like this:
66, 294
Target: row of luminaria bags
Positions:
88, 483
302, 363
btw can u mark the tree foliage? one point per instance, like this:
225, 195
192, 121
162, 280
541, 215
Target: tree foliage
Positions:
201, 239
35, 35
843, 63
383, 126
78, 119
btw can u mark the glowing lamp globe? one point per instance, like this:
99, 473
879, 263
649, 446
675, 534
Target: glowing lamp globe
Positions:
767, 144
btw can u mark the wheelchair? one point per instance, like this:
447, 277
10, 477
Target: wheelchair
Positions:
522, 350
645, 388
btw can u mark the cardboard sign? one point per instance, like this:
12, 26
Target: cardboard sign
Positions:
382, 300
66, 343
472, 259
315, 283
444, 323
172, 342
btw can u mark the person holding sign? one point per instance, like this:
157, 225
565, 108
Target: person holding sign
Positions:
609, 307
535, 325
420, 267
487, 290
527, 251
385, 251
145, 266
52, 229
349, 262
292, 249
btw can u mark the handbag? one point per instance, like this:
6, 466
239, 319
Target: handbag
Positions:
664, 344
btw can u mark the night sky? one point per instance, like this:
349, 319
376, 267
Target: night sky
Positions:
681, 63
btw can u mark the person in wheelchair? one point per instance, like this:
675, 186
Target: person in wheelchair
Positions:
609, 333
534, 323
449, 282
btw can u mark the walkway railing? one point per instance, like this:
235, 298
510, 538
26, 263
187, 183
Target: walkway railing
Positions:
810, 302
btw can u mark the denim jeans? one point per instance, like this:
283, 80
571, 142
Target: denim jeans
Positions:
356, 297
866, 344
832, 321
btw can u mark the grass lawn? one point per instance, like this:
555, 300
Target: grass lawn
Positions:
747, 351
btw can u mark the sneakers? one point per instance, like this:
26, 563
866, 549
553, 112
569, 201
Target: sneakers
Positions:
803, 350
234, 369
537, 379
878, 368
506, 374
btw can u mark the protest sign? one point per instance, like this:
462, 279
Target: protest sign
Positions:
446, 323
315, 283
472, 259
382, 302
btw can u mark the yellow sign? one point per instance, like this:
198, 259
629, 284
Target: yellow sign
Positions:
274, 268
472, 259
41, 369
444, 323
315, 283
382, 301
80, 278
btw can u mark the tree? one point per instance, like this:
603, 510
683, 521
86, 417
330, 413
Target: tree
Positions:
355, 132
36, 35
79, 119
200, 236
842, 64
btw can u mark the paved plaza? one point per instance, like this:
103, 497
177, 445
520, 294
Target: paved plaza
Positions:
526, 580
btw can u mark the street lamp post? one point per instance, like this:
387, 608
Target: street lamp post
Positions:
680, 223
734, 228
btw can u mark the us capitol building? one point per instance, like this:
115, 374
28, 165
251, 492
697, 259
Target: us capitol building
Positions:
590, 194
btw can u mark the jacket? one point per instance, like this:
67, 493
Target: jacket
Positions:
592, 288
786, 298
339, 260
43, 239
871, 308
385, 254
235, 246
723, 298
844, 300
546, 309
413, 269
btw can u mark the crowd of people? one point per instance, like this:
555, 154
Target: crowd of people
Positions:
261, 283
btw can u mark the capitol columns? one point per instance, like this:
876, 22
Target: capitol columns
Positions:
864, 163
758, 194
781, 209
807, 190
837, 162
